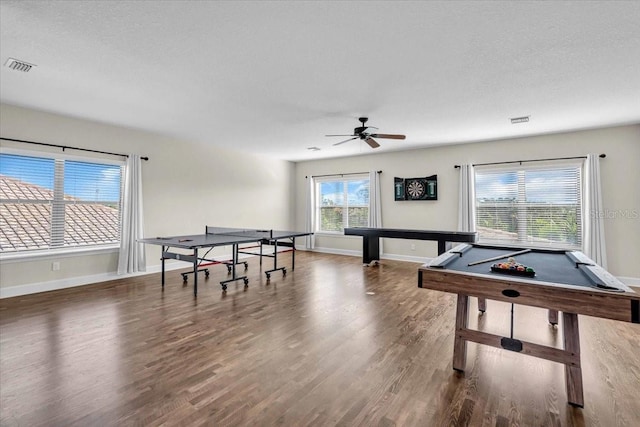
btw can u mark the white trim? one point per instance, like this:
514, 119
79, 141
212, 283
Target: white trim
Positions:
12, 257
72, 282
54, 285
358, 253
630, 281
331, 234
337, 251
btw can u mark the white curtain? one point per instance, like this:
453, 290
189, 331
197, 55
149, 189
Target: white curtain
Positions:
594, 243
310, 241
132, 255
375, 203
466, 200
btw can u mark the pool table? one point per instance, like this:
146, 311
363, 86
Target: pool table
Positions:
564, 281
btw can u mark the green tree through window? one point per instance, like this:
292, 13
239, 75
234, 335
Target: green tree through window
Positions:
342, 203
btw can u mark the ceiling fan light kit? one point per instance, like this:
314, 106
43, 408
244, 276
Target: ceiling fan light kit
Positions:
367, 134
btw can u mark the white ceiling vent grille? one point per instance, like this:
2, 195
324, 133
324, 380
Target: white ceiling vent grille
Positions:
523, 119
18, 65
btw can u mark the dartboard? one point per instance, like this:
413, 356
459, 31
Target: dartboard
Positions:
415, 189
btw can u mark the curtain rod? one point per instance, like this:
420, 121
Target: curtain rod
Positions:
339, 174
602, 156
65, 147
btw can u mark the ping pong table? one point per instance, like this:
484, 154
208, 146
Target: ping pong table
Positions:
224, 236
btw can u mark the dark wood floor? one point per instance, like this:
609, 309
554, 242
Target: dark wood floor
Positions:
332, 343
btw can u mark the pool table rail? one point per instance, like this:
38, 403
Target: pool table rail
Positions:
588, 301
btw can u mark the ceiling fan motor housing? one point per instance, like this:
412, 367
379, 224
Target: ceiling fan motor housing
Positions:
366, 134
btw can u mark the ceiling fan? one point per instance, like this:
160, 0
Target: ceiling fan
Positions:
367, 133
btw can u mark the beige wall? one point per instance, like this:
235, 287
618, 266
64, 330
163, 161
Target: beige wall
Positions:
620, 181
185, 187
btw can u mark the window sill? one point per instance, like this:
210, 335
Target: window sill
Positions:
332, 234
57, 253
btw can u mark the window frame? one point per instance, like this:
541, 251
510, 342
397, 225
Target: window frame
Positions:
345, 214
547, 165
65, 251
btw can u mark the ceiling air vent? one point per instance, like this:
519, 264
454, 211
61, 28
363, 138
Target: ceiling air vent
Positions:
523, 119
18, 65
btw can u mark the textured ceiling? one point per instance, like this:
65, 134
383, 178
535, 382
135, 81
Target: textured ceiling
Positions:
275, 77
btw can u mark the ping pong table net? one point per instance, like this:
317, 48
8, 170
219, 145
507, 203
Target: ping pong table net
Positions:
240, 232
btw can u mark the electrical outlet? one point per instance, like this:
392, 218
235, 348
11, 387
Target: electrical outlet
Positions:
413, 246
55, 266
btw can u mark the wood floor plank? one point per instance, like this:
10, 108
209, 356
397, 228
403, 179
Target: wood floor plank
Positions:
331, 343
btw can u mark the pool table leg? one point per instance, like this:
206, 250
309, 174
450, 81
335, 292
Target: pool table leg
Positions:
573, 373
459, 343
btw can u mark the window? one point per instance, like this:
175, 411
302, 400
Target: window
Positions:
536, 206
49, 202
341, 203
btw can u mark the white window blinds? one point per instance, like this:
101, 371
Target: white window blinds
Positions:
533, 205
50, 202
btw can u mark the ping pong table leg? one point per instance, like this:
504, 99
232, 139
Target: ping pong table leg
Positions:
234, 258
164, 249
293, 253
275, 255
195, 272
234, 277
274, 243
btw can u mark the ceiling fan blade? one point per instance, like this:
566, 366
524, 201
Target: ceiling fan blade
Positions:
346, 140
339, 135
388, 136
372, 142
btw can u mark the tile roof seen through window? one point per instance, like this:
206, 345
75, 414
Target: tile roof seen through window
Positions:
25, 218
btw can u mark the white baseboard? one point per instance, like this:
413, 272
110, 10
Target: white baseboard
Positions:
630, 281
337, 251
395, 257
72, 282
